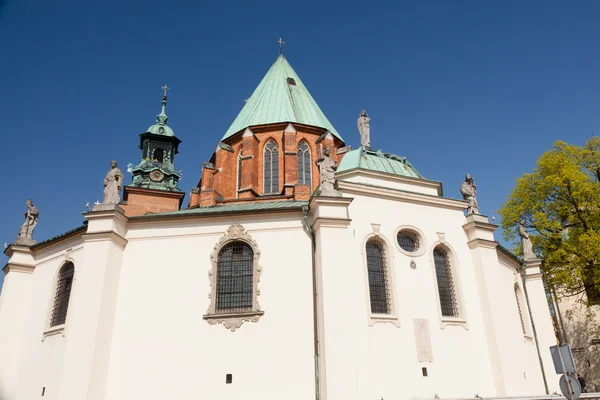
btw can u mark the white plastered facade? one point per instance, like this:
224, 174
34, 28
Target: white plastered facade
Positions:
136, 325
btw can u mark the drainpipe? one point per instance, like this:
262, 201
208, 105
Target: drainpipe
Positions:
314, 283
535, 337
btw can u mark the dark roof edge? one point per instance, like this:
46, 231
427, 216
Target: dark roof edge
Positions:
65, 235
509, 253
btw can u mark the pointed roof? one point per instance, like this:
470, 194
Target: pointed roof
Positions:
280, 97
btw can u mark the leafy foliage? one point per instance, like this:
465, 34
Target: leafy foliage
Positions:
560, 204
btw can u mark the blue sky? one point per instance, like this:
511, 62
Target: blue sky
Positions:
455, 86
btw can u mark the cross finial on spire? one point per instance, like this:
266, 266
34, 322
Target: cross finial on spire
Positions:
281, 43
165, 88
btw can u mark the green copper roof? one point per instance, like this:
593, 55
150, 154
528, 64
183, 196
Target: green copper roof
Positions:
280, 97
161, 128
255, 206
378, 161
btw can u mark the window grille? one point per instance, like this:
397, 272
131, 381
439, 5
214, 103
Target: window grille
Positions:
303, 164
443, 272
518, 297
408, 241
271, 168
62, 295
378, 279
235, 278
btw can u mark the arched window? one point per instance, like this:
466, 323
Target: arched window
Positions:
303, 164
379, 293
158, 155
235, 282
520, 308
446, 289
62, 295
271, 168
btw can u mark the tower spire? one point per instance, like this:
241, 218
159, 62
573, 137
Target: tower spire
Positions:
162, 117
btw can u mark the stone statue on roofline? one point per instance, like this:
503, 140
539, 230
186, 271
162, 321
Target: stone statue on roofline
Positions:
528, 253
31, 219
468, 189
113, 182
327, 167
364, 128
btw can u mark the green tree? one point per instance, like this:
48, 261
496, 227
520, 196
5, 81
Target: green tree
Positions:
560, 204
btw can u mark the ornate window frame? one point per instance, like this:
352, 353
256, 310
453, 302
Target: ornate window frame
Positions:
392, 316
234, 319
461, 319
60, 328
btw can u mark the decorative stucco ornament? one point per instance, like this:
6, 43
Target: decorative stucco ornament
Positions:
528, 253
364, 128
31, 219
327, 167
113, 183
469, 191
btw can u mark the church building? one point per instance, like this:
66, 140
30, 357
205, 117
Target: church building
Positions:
298, 268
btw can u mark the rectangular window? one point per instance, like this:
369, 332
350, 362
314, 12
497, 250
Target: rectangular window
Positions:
378, 279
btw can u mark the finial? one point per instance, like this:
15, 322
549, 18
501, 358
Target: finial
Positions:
162, 117
281, 43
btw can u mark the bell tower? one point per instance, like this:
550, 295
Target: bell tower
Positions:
153, 188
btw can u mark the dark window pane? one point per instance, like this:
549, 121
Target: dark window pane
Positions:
443, 272
408, 241
62, 295
235, 280
378, 284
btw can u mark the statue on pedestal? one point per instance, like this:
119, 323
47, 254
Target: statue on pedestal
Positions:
469, 191
327, 167
364, 128
31, 220
528, 253
112, 184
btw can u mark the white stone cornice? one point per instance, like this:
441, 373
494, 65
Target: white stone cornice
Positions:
16, 267
103, 236
401, 195
490, 244
420, 182
319, 223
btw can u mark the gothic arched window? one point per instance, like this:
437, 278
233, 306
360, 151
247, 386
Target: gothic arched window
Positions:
303, 164
271, 168
235, 282
445, 282
379, 291
62, 294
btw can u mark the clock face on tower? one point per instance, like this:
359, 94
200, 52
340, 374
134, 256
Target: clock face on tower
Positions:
156, 175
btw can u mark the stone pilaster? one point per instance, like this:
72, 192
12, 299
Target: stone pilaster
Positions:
542, 320
89, 332
335, 295
480, 233
14, 311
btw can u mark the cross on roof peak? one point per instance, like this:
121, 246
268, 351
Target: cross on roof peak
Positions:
281, 43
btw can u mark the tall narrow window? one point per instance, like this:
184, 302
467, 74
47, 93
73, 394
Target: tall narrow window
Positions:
62, 295
271, 168
379, 293
303, 164
443, 272
235, 282
239, 172
520, 308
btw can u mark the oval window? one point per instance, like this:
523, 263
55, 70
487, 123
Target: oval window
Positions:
408, 241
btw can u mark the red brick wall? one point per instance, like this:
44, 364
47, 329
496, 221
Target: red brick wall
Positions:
221, 184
